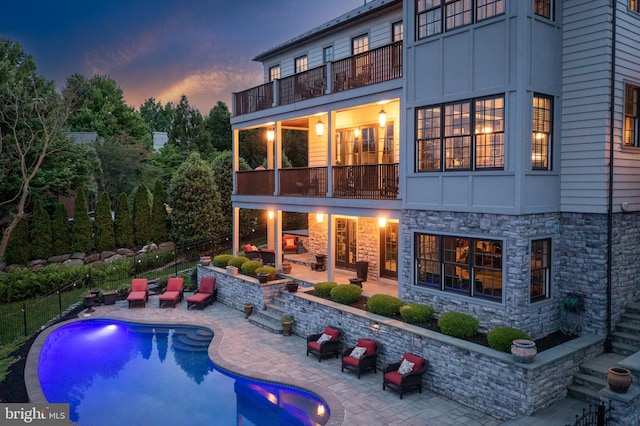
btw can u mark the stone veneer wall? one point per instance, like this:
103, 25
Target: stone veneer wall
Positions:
626, 262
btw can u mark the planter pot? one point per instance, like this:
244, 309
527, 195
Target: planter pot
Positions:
109, 298
248, 309
286, 328
292, 287
619, 379
263, 278
286, 268
89, 302
232, 270
523, 351
205, 260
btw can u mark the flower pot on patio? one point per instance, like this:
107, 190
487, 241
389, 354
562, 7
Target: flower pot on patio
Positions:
205, 260
292, 287
263, 278
110, 298
287, 325
619, 379
248, 309
523, 350
286, 268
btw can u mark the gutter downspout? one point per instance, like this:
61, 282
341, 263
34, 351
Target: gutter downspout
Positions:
607, 344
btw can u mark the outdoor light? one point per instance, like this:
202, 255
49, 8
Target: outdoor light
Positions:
375, 327
270, 214
319, 217
321, 411
382, 222
271, 135
382, 117
319, 128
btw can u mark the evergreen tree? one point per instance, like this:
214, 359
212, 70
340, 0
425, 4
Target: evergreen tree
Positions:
159, 217
195, 203
82, 229
61, 230
18, 244
123, 226
104, 238
141, 216
41, 243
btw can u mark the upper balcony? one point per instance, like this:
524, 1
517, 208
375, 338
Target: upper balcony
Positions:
364, 69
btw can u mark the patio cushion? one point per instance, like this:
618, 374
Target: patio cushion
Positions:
335, 334
358, 352
198, 298
369, 345
394, 377
175, 284
324, 338
247, 247
416, 360
139, 284
405, 367
290, 242
136, 296
349, 360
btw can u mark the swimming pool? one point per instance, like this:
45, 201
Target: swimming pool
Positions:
113, 372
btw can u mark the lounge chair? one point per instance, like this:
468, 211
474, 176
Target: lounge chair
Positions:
139, 292
324, 344
205, 294
361, 357
396, 377
173, 293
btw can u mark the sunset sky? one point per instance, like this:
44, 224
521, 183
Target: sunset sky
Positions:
162, 48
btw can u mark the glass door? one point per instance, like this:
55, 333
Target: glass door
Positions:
389, 251
346, 243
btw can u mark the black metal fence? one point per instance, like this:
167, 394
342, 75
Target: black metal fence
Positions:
599, 415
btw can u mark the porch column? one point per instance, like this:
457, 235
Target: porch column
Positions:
331, 115
277, 152
235, 159
235, 231
330, 250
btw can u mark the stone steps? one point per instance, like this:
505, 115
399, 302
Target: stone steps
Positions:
269, 317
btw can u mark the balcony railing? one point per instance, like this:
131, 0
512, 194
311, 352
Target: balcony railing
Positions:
372, 67
367, 181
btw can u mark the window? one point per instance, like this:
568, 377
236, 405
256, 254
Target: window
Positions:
444, 135
430, 14
274, 73
468, 266
631, 99
397, 31
301, 64
540, 269
360, 44
365, 145
327, 54
542, 129
543, 8
634, 5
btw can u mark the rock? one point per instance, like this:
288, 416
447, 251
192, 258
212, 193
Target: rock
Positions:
168, 244
106, 254
59, 259
73, 262
153, 247
93, 257
125, 252
78, 255
114, 258
37, 262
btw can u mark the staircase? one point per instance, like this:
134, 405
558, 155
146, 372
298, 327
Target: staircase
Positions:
269, 317
626, 341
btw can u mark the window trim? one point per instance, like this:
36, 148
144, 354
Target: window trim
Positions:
535, 131
359, 37
273, 68
634, 6
439, 16
635, 117
303, 59
552, 9
548, 270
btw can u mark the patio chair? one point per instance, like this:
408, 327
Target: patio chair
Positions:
406, 374
362, 357
139, 292
268, 257
325, 344
173, 293
290, 244
205, 294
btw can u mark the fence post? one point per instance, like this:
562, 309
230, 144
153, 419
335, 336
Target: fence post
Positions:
24, 317
59, 302
175, 261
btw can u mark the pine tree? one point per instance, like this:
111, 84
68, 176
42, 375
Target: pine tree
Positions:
104, 238
123, 226
141, 216
159, 217
82, 229
61, 230
41, 243
18, 245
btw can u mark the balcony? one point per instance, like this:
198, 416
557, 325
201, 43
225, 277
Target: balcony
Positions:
366, 181
364, 69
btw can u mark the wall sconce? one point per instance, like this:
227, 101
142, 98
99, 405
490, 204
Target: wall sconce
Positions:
270, 214
271, 135
382, 117
319, 128
356, 133
382, 222
375, 327
319, 217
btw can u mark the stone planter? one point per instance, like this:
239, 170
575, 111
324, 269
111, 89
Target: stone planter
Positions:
523, 351
248, 309
287, 326
619, 379
263, 278
110, 298
286, 268
292, 287
205, 260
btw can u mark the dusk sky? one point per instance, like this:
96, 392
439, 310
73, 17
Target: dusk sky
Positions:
161, 48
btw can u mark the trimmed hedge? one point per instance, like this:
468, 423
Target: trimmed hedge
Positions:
221, 260
249, 268
501, 338
457, 324
416, 312
323, 289
267, 270
237, 261
346, 293
383, 304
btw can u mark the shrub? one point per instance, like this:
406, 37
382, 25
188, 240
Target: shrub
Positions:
61, 230
237, 261
346, 293
249, 268
159, 216
267, 270
501, 338
457, 324
82, 229
221, 260
416, 312
383, 304
123, 223
323, 289
41, 243
141, 216
104, 238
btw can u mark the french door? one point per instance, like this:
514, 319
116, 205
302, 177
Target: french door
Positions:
346, 243
389, 250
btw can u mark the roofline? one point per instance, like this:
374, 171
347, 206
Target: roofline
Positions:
374, 7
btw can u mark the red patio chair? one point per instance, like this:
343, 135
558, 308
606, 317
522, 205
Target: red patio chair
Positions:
396, 377
361, 357
205, 294
324, 344
173, 293
139, 292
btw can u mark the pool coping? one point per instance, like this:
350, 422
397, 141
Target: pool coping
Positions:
337, 413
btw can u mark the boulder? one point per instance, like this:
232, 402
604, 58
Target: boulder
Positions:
106, 254
59, 259
37, 262
93, 257
73, 262
168, 244
114, 258
78, 255
125, 252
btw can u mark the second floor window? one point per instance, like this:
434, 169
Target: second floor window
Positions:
634, 5
397, 31
274, 73
431, 14
301, 64
543, 8
327, 54
360, 44
631, 98
542, 130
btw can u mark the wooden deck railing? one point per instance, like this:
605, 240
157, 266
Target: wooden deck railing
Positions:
255, 99
369, 181
304, 181
363, 69
304, 85
255, 182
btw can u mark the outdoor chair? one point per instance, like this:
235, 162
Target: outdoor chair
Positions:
268, 257
362, 357
290, 244
205, 294
406, 374
325, 344
173, 293
139, 292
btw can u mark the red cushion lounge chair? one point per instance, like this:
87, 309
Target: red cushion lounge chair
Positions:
324, 344
205, 294
173, 293
290, 244
139, 292
404, 381
367, 360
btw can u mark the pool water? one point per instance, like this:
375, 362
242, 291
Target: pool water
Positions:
117, 373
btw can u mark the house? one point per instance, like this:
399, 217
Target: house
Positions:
482, 155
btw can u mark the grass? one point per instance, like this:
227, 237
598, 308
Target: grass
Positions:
6, 361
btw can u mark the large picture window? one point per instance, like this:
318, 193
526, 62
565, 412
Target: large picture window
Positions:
467, 135
631, 98
542, 130
469, 266
431, 14
540, 269
543, 8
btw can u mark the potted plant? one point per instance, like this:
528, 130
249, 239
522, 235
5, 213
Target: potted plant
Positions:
287, 324
248, 309
292, 286
619, 379
263, 277
524, 350
205, 260
109, 297
286, 268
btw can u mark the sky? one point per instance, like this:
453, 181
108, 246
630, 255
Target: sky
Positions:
162, 48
